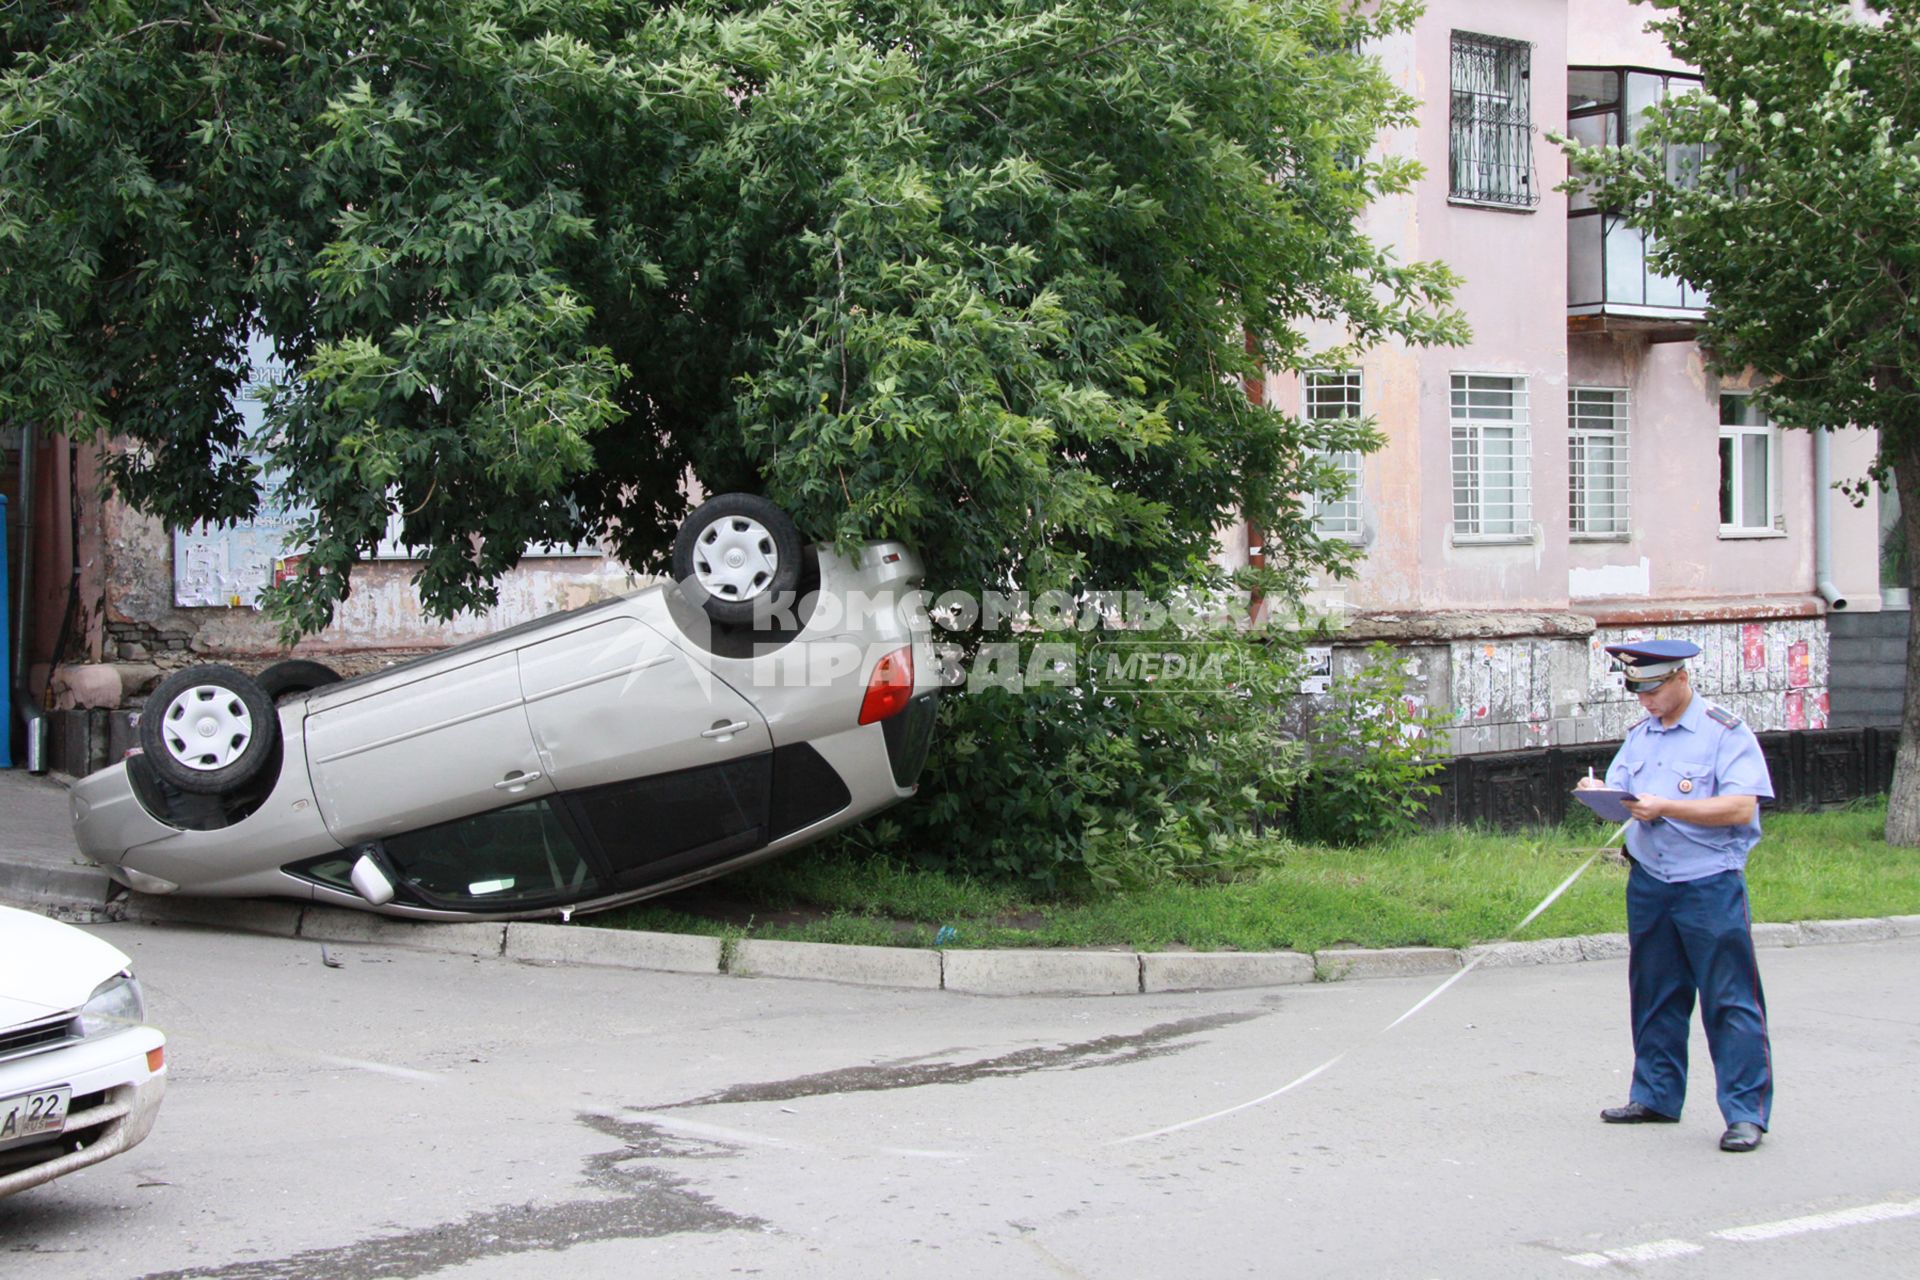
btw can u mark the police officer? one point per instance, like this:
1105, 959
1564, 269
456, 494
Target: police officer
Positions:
1699, 777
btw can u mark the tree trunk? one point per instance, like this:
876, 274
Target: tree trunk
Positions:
1903, 801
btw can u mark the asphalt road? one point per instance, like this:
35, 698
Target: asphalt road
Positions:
408, 1114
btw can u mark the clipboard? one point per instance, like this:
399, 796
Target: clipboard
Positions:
1608, 802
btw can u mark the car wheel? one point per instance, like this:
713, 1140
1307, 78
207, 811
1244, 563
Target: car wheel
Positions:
208, 729
296, 676
734, 552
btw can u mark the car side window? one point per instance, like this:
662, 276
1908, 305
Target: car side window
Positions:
492, 861
654, 828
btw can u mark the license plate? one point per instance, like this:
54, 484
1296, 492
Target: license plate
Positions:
29, 1115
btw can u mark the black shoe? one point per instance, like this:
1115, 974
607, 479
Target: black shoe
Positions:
1635, 1113
1743, 1135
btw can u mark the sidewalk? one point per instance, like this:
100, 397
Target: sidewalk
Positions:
41, 870
39, 866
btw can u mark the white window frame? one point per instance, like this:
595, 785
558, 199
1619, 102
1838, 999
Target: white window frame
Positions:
1330, 395
1599, 476
1477, 419
1733, 438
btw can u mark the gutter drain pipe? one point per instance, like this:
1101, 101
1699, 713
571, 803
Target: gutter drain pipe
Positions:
24, 702
1823, 583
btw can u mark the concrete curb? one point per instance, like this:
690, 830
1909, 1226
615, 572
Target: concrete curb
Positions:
865, 966
77, 891
612, 948
987, 973
1222, 970
1339, 964
1519, 955
331, 924
242, 915
1042, 973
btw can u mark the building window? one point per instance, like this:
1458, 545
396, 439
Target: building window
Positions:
1597, 456
1492, 485
1492, 134
1333, 397
1749, 461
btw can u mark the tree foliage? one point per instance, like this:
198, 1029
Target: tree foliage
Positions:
1801, 220
981, 274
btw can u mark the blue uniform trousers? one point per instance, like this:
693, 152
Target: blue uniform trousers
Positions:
1694, 937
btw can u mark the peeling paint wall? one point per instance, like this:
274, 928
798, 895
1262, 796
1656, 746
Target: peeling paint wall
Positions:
1507, 695
1771, 674
1520, 693
382, 614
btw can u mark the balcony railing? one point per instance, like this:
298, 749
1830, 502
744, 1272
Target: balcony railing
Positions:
1607, 273
1609, 283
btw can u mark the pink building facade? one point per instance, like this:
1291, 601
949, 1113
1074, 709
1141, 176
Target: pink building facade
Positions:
1573, 475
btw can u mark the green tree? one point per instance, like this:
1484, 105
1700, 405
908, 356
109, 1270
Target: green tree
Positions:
1801, 220
982, 274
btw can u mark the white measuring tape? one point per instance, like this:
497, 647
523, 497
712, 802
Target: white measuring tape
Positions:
1428, 999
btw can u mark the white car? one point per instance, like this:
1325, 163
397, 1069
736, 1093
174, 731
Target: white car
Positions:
81, 1076
771, 694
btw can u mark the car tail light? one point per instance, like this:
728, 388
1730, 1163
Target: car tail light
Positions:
890, 687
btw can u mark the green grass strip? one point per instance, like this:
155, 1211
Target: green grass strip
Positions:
1447, 888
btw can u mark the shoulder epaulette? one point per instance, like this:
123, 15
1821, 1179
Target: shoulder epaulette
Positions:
1722, 716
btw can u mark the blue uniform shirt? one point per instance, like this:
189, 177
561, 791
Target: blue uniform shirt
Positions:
1707, 752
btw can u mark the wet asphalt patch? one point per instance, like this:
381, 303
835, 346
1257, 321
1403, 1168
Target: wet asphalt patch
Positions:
644, 1201
1102, 1051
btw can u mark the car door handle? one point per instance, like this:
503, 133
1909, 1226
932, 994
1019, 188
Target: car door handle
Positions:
517, 781
724, 730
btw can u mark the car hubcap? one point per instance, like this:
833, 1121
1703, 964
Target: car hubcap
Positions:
207, 727
735, 558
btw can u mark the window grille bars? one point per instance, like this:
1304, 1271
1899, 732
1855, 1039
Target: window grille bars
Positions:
1331, 396
1597, 458
1491, 148
1492, 457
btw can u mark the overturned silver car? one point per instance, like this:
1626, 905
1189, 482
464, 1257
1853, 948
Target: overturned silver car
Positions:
774, 693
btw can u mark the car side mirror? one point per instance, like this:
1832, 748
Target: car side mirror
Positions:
372, 878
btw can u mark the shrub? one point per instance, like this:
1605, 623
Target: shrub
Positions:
1091, 775
1371, 755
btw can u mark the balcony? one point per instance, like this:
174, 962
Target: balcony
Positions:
1610, 287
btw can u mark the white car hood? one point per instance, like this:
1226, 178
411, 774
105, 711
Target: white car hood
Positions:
47, 967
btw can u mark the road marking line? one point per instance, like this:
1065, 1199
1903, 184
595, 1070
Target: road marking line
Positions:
1652, 1251
1428, 999
1862, 1216
378, 1068
715, 1132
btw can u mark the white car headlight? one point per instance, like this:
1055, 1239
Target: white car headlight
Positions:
115, 1005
